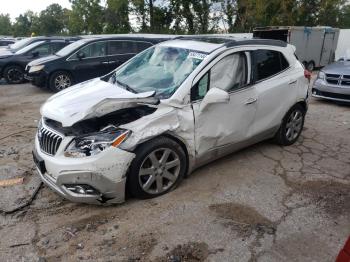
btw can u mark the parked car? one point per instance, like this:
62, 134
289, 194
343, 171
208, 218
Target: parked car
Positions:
315, 46
333, 81
165, 112
87, 59
5, 42
12, 64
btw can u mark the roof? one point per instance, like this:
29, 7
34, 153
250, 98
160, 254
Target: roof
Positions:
265, 28
149, 37
208, 43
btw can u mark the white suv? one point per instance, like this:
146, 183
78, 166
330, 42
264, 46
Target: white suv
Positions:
170, 109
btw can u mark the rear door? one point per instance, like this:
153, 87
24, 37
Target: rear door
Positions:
120, 51
94, 62
276, 85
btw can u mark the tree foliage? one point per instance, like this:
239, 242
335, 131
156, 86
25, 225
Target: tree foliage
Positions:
175, 16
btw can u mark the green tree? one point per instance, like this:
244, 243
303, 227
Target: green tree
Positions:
26, 24
52, 20
5, 24
117, 16
86, 17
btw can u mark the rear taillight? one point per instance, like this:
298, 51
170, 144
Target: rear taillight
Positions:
307, 74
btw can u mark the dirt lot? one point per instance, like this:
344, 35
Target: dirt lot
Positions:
265, 203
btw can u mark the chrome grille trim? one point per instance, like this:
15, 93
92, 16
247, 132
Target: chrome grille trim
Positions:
49, 141
340, 80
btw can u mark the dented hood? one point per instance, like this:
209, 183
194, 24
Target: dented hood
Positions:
93, 98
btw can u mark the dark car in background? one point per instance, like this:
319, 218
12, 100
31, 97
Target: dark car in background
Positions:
5, 42
88, 58
13, 63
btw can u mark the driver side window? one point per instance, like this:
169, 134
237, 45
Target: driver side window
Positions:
229, 74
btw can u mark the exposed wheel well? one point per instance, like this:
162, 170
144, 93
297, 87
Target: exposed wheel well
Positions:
303, 104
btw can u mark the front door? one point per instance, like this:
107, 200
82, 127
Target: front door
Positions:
221, 126
92, 63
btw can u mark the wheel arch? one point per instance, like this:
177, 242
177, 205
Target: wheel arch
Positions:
48, 79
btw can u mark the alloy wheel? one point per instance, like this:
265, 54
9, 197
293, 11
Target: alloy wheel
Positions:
159, 170
14, 75
294, 125
62, 82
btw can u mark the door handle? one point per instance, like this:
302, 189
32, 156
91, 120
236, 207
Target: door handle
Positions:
292, 82
105, 62
114, 61
251, 101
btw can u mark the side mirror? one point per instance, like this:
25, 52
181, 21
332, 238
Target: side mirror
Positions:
214, 96
35, 53
80, 55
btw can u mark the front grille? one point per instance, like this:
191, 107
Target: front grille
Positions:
48, 140
340, 80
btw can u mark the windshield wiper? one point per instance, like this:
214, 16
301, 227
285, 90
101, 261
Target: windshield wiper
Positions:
127, 87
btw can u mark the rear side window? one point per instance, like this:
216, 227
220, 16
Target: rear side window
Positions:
268, 63
121, 47
97, 49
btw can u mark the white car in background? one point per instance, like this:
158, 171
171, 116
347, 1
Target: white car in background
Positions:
170, 109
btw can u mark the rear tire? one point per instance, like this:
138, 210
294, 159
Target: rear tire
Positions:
60, 80
159, 166
291, 127
14, 74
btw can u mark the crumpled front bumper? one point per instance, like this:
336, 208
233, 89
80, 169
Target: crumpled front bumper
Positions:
105, 172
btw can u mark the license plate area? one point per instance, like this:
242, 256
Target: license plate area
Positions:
39, 162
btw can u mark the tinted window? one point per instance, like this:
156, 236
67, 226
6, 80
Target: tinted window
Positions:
121, 47
140, 46
43, 49
284, 62
229, 73
97, 49
268, 63
56, 46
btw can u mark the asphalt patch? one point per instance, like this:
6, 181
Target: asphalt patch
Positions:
243, 219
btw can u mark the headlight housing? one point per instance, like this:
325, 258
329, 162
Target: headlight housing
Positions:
321, 75
94, 143
36, 68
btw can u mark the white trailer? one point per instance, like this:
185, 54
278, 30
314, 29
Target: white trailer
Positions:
343, 43
315, 46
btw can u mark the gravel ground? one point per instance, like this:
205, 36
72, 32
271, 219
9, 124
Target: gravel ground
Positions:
264, 203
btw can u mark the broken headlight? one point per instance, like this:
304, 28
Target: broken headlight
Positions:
95, 143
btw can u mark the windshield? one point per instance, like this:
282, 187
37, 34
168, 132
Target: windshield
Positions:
70, 48
20, 44
29, 47
160, 68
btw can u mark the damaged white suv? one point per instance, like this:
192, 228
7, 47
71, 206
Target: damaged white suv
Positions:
165, 112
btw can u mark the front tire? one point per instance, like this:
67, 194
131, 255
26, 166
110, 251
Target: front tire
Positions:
159, 166
14, 74
60, 80
291, 127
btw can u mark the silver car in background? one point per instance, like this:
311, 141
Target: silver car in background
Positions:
333, 81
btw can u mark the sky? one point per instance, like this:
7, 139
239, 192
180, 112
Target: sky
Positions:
16, 7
